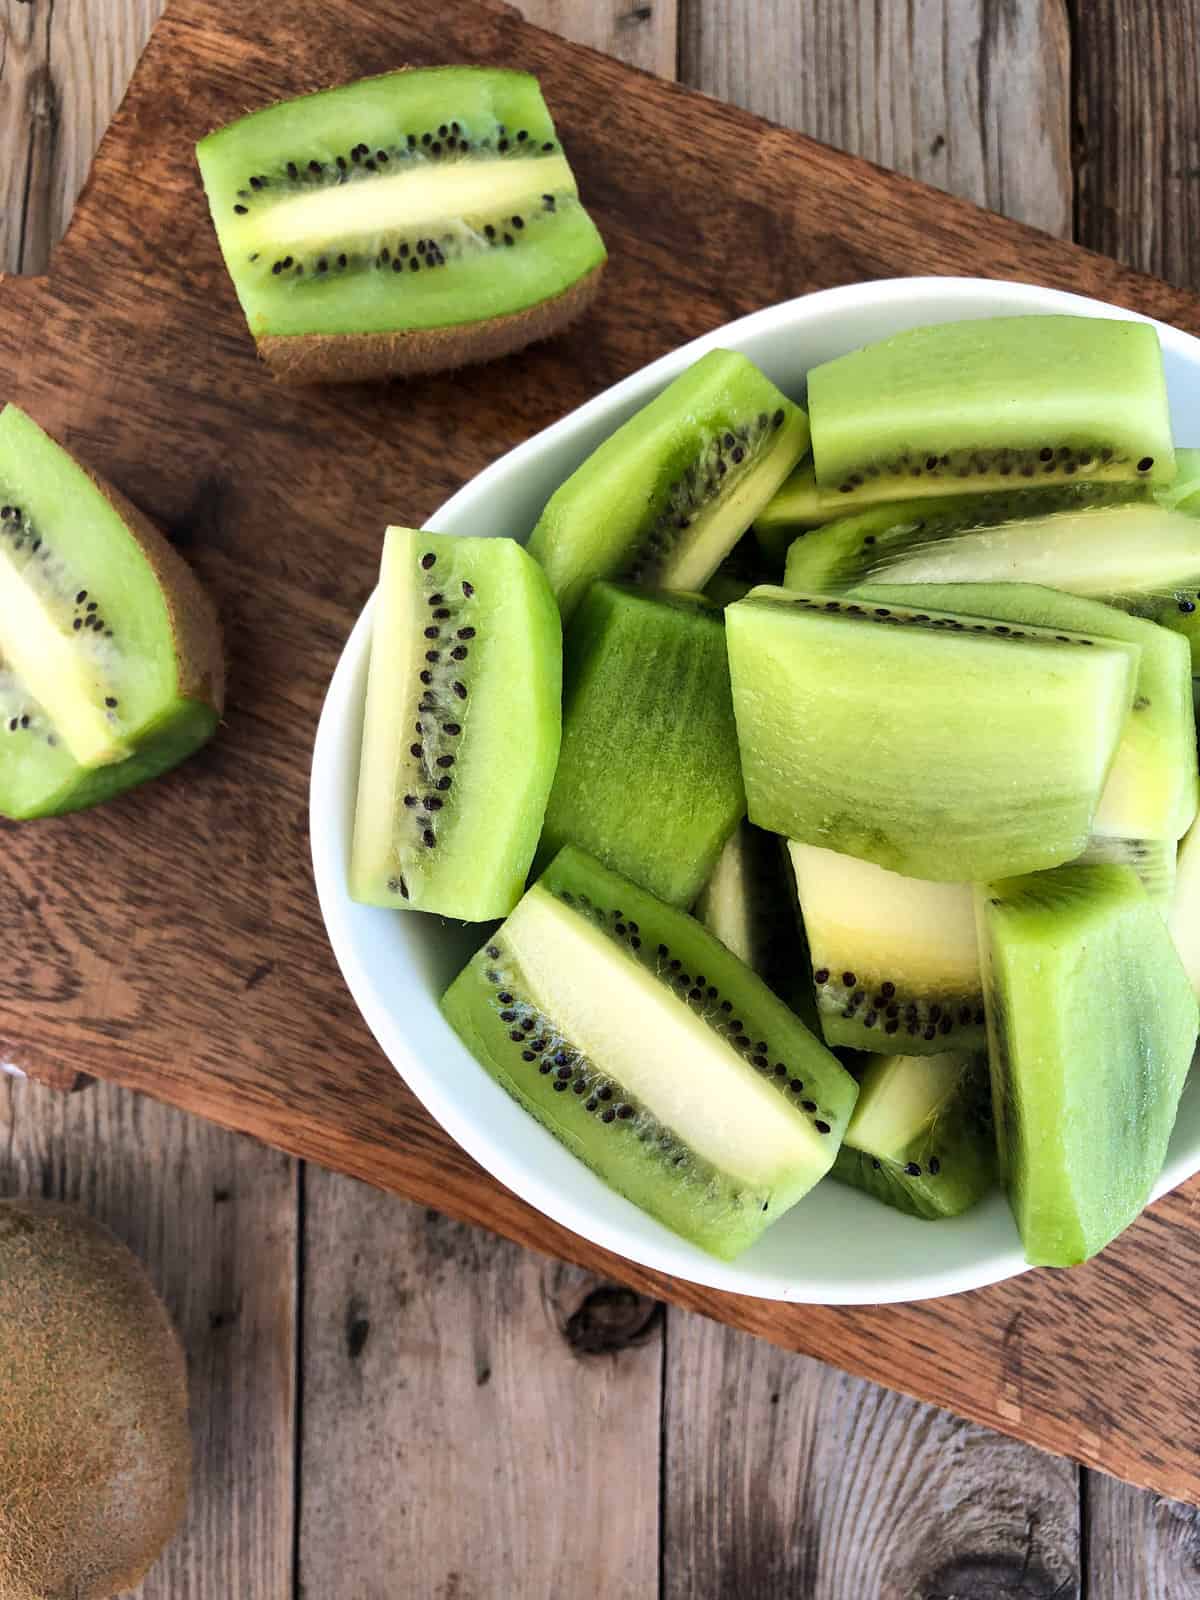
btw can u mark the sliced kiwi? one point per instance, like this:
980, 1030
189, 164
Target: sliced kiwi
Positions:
921, 1136
1183, 918
905, 736
110, 652
649, 779
895, 960
1183, 493
1151, 789
1091, 1026
462, 725
743, 569
1004, 402
654, 1054
798, 504
1154, 862
666, 497
406, 223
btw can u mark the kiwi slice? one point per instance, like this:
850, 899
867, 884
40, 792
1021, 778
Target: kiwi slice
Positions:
1183, 918
1004, 402
666, 497
904, 736
743, 569
798, 504
649, 779
111, 667
406, 223
1151, 790
1183, 493
1091, 1026
895, 959
654, 1054
921, 1135
462, 726
1154, 861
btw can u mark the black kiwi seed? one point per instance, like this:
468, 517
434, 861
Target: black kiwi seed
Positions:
821, 1127
460, 689
821, 976
429, 837
1145, 464
452, 728
609, 1115
468, 589
912, 1169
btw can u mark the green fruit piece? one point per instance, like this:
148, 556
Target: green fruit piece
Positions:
1091, 1027
110, 652
462, 726
1004, 402
796, 505
407, 222
921, 1135
1151, 790
905, 737
1154, 862
743, 569
649, 780
1183, 919
666, 497
1183, 494
653, 1054
895, 959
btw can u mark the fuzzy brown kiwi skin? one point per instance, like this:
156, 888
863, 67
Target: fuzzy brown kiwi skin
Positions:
301, 358
95, 1451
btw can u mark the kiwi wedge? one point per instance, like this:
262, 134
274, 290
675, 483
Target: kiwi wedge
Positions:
921, 1138
797, 505
415, 221
462, 723
743, 569
1091, 1026
895, 959
111, 667
667, 496
649, 780
1183, 492
1183, 918
654, 1054
1154, 862
904, 736
1151, 791
1003, 402
95, 1454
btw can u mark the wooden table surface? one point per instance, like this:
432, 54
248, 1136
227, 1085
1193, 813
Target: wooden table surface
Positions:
388, 1403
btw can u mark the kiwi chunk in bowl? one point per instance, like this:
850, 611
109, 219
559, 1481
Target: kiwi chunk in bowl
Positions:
837, 1245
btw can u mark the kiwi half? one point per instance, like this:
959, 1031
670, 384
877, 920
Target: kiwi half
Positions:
668, 495
895, 959
1002, 402
904, 736
461, 731
1091, 1026
648, 780
654, 1054
406, 223
111, 666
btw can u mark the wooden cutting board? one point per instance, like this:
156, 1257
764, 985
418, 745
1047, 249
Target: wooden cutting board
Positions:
171, 941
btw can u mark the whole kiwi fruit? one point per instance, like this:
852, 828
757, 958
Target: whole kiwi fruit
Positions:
95, 1453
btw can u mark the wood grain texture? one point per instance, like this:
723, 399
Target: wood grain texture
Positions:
214, 1219
785, 1478
1139, 1546
640, 32
221, 995
1138, 132
970, 95
508, 1454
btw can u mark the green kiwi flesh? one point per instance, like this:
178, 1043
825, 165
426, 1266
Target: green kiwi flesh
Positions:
903, 736
1004, 402
1183, 919
921, 1136
1183, 493
663, 500
406, 204
743, 569
1154, 862
895, 959
796, 505
1091, 1027
461, 732
653, 1054
649, 780
1151, 789
110, 653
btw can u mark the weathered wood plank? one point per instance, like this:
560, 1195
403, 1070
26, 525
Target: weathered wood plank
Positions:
968, 95
641, 32
214, 1218
1138, 1545
457, 1429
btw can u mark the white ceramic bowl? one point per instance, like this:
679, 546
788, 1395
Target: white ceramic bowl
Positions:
837, 1247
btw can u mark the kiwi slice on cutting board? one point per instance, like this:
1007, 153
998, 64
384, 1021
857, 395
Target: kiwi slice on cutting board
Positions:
1151, 791
1091, 1027
462, 723
649, 779
653, 1054
921, 1136
895, 959
415, 221
667, 496
1002, 402
904, 735
111, 667
1183, 917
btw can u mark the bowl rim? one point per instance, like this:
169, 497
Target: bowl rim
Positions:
673, 1257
